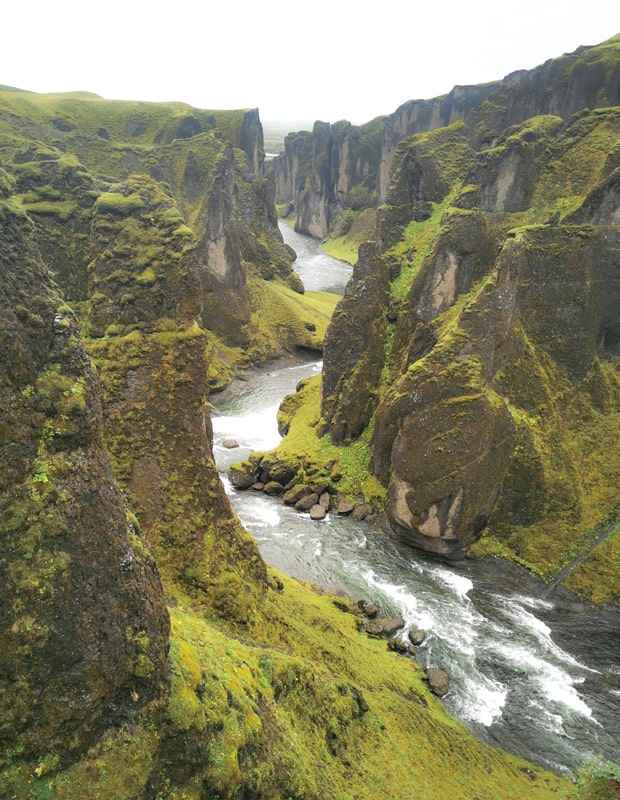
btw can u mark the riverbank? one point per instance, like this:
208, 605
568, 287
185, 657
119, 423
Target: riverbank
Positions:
526, 673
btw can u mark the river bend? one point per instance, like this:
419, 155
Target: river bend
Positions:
537, 677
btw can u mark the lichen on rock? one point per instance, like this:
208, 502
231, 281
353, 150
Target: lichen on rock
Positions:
83, 622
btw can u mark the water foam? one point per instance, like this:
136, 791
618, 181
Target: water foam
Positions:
479, 698
530, 624
258, 430
458, 583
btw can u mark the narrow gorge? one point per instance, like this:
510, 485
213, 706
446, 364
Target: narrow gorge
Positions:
464, 404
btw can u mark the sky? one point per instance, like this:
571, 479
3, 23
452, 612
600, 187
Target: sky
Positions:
318, 59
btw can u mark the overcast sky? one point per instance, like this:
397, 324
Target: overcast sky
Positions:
315, 59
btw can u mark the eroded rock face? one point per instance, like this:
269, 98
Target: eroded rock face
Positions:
348, 166
83, 623
153, 360
500, 327
353, 350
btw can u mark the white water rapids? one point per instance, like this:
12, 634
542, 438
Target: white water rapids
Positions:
537, 677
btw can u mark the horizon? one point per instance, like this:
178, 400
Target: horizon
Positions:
329, 66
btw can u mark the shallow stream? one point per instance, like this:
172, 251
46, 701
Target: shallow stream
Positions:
537, 677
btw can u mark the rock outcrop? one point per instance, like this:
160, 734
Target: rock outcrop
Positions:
344, 166
450, 436
146, 225
476, 344
83, 622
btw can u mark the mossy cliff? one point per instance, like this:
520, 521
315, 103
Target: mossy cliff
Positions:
343, 167
472, 363
83, 622
246, 684
74, 156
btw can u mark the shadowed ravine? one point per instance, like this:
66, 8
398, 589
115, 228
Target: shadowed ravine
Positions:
534, 675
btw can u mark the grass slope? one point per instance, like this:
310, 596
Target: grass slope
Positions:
301, 705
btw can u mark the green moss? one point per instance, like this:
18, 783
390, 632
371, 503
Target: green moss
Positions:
265, 717
116, 203
343, 468
577, 162
348, 232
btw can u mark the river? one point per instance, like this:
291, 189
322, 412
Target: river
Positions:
537, 677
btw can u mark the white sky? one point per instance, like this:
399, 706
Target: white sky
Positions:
314, 59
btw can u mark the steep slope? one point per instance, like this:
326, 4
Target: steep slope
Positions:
343, 166
67, 150
83, 623
474, 355
167, 248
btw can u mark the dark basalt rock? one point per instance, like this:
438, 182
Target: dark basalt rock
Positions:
416, 635
296, 493
307, 502
438, 681
398, 645
318, 512
382, 627
83, 622
242, 476
449, 442
368, 608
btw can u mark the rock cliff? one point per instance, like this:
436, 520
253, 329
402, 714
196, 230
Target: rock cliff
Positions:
161, 235
505, 338
83, 622
343, 166
476, 346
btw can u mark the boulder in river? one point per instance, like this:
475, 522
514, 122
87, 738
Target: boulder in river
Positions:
368, 608
416, 635
382, 627
295, 493
230, 444
398, 645
306, 503
242, 475
361, 511
273, 488
318, 512
438, 681
344, 506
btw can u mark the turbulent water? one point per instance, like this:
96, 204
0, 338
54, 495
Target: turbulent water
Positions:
537, 677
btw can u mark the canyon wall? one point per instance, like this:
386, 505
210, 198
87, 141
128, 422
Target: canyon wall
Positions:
342, 166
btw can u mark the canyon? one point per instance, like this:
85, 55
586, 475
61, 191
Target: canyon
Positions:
469, 399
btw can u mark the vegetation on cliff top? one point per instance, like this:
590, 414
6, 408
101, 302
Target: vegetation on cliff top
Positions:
274, 692
448, 262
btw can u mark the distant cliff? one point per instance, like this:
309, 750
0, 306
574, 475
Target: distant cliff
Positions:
343, 166
474, 354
